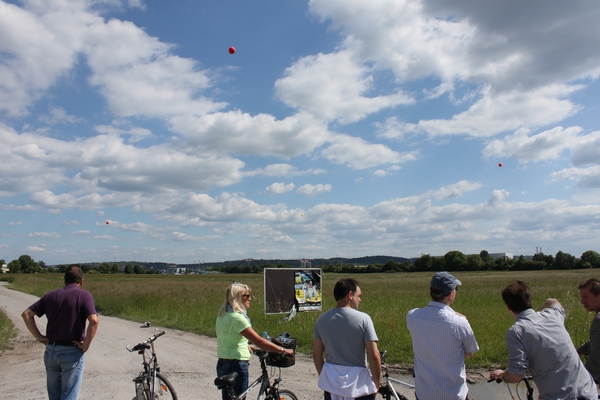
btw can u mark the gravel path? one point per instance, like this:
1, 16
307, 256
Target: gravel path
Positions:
188, 360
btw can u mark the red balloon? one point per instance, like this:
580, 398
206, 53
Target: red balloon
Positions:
499, 164
106, 222
231, 50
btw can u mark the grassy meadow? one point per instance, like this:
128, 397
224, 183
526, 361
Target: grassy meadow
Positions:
6, 330
190, 303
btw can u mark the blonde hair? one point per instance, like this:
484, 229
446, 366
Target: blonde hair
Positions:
233, 298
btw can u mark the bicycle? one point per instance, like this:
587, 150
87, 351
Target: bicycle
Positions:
267, 390
150, 384
386, 390
526, 379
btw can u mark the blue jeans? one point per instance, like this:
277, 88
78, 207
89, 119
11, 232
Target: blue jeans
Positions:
64, 371
225, 367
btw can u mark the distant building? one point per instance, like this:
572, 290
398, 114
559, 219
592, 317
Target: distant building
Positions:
496, 256
172, 269
4, 269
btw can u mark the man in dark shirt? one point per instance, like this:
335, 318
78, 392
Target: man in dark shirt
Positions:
589, 291
66, 339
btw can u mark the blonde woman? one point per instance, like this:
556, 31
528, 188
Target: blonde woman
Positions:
234, 335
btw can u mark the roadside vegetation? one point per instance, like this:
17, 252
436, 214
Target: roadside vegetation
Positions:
191, 302
6, 330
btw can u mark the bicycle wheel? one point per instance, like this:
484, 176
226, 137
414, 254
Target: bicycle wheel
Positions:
164, 389
285, 394
140, 390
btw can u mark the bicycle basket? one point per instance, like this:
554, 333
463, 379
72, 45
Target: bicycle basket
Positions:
279, 360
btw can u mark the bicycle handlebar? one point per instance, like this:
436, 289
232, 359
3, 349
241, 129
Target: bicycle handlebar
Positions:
526, 378
263, 353
382, 356
144, 344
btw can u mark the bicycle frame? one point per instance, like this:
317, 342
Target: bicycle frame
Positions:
263, 380
150, 369
146, 381
387, 388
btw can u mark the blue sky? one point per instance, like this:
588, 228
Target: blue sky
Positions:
339, 128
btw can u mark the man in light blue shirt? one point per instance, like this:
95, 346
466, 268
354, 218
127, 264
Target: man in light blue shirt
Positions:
441, 339
539, 343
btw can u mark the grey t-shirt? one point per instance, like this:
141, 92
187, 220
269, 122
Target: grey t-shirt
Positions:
344, 332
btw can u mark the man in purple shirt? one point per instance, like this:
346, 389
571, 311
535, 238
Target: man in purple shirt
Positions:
66, 339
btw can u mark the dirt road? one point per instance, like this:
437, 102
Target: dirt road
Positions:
188, 360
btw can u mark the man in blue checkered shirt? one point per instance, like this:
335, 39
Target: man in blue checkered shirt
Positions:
441, 340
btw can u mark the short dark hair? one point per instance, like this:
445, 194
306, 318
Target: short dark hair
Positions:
437, 294
517, 296
73, 275
343, 287
591, 283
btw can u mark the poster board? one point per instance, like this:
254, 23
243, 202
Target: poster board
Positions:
292, 288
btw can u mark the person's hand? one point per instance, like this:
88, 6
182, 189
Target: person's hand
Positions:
43, 340
550, 303
289, 352
80, 345
497, 374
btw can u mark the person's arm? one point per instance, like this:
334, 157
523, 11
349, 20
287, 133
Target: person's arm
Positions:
318, 351
263, 343
517, 360
374, 358
470, 345
29, 319
584, 349
506, 376
92, 327
550, 303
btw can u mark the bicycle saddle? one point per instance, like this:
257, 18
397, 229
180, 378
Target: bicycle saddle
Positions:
226, 380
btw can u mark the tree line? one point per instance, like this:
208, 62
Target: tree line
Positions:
452, 261
27, 265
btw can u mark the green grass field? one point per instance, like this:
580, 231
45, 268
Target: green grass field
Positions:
6, 330
191, 303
